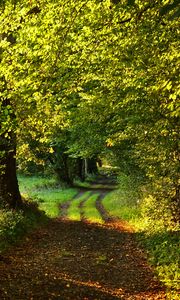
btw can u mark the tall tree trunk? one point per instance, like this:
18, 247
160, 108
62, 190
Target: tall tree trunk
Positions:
9, 190
62, 169
92, 165
80, 169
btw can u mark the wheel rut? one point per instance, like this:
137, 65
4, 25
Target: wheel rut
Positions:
63, 207
103, 212
102, 186
81, 208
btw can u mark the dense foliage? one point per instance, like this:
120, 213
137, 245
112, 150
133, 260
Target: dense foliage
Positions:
153, 226
81, 79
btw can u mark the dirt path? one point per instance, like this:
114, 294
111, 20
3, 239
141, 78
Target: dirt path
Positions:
79, 261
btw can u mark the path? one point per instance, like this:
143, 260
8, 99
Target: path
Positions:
100, 187
79, 261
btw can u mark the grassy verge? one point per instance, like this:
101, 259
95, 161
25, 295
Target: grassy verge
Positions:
161, 242
46, 193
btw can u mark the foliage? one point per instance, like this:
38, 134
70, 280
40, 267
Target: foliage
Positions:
157, 215
163, 248
154, 227
15, 224
124, 201
94, 77
10, 223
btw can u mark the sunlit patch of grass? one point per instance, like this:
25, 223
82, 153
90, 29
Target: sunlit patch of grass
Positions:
117, 204
46, 193
29, 183
73, 212
90, 211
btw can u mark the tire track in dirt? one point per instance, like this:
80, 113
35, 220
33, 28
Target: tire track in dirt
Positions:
63, 207
81, 207
103, 212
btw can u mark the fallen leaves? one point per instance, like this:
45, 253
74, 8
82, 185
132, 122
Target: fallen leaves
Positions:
78, 260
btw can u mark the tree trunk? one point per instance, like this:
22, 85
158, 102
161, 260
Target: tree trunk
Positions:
62, 170
92, 166
81, 169
9, 190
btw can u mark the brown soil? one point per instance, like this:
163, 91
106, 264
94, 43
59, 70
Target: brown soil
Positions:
79, 261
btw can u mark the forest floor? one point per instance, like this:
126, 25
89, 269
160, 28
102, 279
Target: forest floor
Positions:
79, 260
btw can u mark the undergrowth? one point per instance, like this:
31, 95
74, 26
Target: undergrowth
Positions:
153, 226
41, 199
15, 224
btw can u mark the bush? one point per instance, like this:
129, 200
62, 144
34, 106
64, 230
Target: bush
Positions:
14, 224
10, 221
164, 254
153, 221
157, 214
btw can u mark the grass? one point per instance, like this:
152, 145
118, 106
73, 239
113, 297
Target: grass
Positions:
74, 211
117, 205
46, 192
31, 183
83, 184
123, 202
161, 243
90, 211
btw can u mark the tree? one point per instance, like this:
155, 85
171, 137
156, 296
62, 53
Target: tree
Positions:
146, 93
85, 76
39, 64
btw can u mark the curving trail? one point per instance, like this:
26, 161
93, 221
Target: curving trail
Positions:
101, 187
79, 261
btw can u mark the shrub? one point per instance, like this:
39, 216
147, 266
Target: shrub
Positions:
14, 224
157, 214
10, 221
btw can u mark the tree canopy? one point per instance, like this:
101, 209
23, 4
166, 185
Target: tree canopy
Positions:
82, 78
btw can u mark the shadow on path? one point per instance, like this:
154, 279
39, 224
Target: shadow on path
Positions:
76, 260
79, 261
